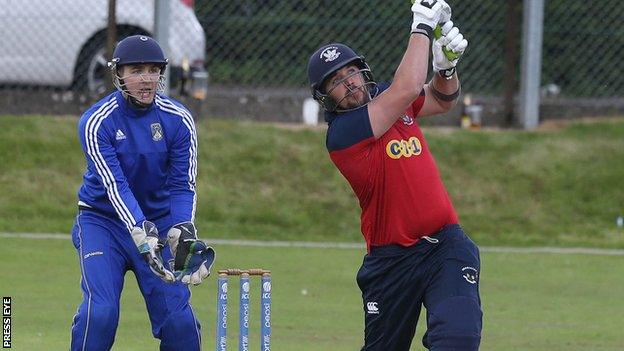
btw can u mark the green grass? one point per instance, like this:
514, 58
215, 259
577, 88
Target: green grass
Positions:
530, 301
557, 187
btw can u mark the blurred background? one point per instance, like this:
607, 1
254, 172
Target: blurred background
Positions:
247, 59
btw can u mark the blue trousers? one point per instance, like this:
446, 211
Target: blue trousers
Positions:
440, 272
106, 252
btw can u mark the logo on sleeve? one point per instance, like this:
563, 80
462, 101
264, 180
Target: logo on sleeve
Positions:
403, 148
120, 135
157, 133
407, 120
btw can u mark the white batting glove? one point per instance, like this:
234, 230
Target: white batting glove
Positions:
427, 14
454, 41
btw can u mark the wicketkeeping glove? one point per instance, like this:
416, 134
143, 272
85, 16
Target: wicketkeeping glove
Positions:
454, 42
192, 257
427, 14
149, 246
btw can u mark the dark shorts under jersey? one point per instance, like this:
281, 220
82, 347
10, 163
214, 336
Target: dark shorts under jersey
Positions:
441, 272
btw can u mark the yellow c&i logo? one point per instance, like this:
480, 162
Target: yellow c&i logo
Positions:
403, 148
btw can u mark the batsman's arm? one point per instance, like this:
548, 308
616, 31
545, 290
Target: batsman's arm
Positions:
411, 74
440, 95
443, 90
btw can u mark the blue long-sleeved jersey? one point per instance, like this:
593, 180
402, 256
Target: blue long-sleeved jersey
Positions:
141, 164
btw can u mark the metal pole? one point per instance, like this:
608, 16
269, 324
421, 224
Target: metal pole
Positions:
161, 32
511, 65
111, 38
531, 63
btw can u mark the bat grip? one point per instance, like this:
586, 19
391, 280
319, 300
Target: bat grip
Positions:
437, 33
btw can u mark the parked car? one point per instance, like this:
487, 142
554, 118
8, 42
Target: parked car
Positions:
62, 43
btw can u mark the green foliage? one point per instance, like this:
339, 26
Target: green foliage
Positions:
553, 187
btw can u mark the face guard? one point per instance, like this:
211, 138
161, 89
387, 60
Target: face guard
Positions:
146, 81
367, 88
136, 50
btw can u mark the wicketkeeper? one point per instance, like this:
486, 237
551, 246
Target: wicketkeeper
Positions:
137, 205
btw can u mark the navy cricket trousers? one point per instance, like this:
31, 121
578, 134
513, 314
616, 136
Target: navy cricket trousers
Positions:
106, 252
440, 272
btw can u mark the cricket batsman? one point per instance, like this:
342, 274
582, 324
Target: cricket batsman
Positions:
417, 253
137, 205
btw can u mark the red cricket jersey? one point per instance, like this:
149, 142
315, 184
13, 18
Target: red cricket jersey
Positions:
394, 177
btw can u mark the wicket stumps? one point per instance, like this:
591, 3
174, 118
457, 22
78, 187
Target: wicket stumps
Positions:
243, 324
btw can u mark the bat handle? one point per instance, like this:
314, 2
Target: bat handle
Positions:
437, 33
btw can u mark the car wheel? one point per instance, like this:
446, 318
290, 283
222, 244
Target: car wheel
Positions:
90, 75
97, 73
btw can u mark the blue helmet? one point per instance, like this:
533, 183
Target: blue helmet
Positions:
138, 49
324, 62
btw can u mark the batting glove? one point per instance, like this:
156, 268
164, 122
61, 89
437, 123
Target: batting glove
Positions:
454, 41
192, 257
150, 247
427, 14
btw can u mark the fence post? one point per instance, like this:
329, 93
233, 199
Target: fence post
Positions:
511, 62
161, 32
533, 28
111, 39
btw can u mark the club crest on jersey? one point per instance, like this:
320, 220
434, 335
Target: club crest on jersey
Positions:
330, 53
403, 148
157, 133
407, 120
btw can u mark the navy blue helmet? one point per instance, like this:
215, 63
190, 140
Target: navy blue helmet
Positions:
324, 62
138, 49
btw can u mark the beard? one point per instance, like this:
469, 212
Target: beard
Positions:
356, 98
